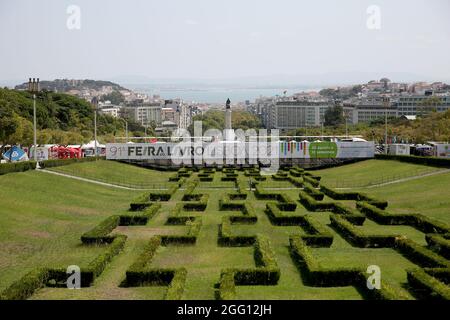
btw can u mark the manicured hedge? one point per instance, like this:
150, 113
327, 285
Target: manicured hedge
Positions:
439, 244
199, 205
285, 202
298, 182
296, 172
357, 237
142, 217
162, 195
357, 196
265, 273
17, 167
338, 195
426, 286
276, 217
40, 277
226, 238
442, 274
351, 215
313, 192
133, 276
63, 162
176, 286
315, 274
311, 204
318, 236
429, 161
311, 180
420, 255
100, 233
190, 238
25, 286
227, 288
419, 221
99, 263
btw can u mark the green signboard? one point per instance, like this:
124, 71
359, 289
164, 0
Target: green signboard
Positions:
325, 149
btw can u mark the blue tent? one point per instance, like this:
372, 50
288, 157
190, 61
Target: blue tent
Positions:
15, 154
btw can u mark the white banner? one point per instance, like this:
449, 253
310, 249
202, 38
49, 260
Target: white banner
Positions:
218, 152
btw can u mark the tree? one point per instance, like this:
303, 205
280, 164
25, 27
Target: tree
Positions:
115, 97
428, 105
334, 116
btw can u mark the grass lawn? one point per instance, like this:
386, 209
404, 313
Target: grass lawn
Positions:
372, 171
42, 217
427, 195
117, 173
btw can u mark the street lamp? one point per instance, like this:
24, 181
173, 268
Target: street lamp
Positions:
94, 102
386, 101
33, 87
126, 127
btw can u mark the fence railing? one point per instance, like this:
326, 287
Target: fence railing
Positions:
382, 179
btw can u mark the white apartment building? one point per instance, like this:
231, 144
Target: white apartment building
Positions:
112, 111
287, 115
144, 114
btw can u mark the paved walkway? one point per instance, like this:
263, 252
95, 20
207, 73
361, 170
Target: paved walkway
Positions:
106, 184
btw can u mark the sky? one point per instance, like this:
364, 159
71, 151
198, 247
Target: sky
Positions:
218, 39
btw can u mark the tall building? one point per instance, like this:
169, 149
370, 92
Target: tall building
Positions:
370, 109
145, 114
413, 105
287, 115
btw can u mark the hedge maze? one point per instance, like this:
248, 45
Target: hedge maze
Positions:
215, 232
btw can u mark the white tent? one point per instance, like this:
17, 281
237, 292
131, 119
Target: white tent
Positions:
91, 145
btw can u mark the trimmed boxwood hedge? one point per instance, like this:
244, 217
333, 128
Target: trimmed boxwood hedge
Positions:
17, 167
316, 275
351, 215
162, 195
141, 217
100, 233
39, 277
298, 182
419, 221
313, 192
25, 286
190, 238
311, 204
227, 288
311, 180
226, 237
357, 237
427, 286
99, 263
63, 162
357, 196
439, 243
265, 273
429, 161
420, 255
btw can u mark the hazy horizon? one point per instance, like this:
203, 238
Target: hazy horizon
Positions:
225, 42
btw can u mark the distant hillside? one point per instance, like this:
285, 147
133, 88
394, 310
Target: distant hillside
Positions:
65, 85
61, 118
